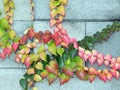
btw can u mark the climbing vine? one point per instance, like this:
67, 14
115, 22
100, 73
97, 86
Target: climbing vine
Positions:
55, 55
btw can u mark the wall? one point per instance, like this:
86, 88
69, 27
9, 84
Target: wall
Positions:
84, 17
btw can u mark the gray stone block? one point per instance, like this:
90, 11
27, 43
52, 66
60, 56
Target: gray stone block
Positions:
82, 9
74, 29
10, 79
22, 10
76, 84
21, 26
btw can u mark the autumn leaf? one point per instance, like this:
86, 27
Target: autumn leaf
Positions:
61, 10
39, 66
52, 68
51, 78
64, 78
68, 71
44, 74
37, 78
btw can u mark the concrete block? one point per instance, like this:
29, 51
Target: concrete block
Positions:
82, 9
22, 10
10, 79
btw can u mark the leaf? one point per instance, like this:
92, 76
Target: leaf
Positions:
64, 1
79, 62
37, 78
60, 51
64, 78
41, 49
51, 78
16, 39
81, 75
4, 23
24, 84
34, 88
60, 62
53, 13
73, 53
52, 49
39, 65
43, 56
12, 34
44, 74
52, 5
2, 32
53, 67
61, 10
5, 1
68, 71
56, 3
68, 61
11, 4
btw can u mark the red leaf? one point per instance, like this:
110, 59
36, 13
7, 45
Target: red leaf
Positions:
27, 62
91, 78
47, 36
64, 78
81, 75
103, 77
23, 40
15, 46
7, 51
52, 68
30, 33
51, 78
68, 71
3, 56
44, 74
52, 22
92, 71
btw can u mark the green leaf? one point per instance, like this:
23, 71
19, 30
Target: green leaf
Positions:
16, 39
41, 49
68, 61
60, 62
4, 23
2, 32
79, 62
50, 43
56, 3
52, 49
12, 34
5, 1
24, 84
73, 53
60, 51
43, 56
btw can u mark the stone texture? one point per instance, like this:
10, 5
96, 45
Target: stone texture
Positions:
10, 79
22, 10
86, 10
82, 9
